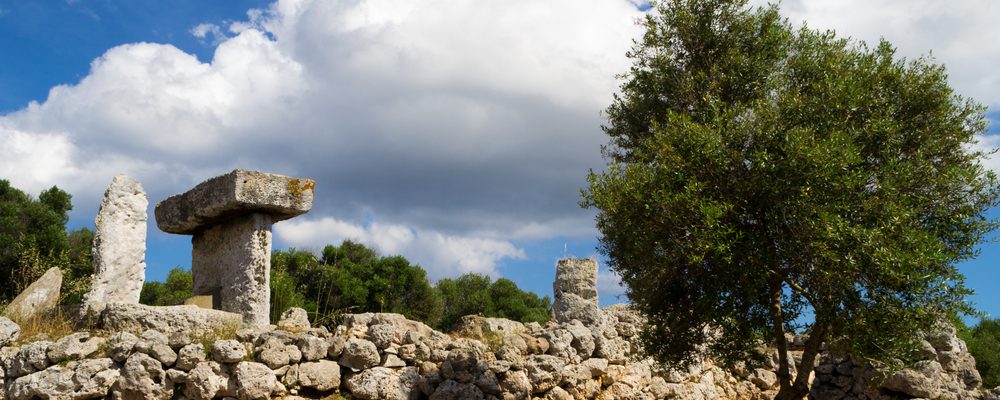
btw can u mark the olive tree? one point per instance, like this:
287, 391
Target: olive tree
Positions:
761, 176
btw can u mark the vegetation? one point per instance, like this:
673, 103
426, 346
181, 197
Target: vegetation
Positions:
33, 239
757, 172
352, 278
177, 288
983, 341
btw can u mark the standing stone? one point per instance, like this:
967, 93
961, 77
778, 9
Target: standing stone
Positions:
575, 290
40, 297
230, 218
120, 244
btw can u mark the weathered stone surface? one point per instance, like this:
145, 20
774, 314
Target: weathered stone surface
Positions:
450, 389
323, 375
544, 372
121, 345
313, 348
190, 356
205, 381
38, 298
359, 354
9, 331
203, 301
228, 351
238, 192
119, 247
277, 354
384, 383
294, 320
139, 317
254, 381
143, 377
232, 260
575, 290
88, 379
75, 346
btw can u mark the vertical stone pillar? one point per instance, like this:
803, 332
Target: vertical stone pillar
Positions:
119, 247
232, 263
575, 290
230, 218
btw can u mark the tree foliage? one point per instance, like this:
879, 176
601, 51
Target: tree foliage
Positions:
33, 239
983, 341
476, 294
178, 287
352, 278
757, 172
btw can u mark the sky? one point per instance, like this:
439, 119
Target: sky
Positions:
455, 133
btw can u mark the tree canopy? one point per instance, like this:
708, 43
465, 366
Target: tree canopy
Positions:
758, 172
33, 239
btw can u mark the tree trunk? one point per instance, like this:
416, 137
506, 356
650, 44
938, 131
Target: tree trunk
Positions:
778, 323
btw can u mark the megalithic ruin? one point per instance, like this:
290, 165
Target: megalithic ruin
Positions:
230, 218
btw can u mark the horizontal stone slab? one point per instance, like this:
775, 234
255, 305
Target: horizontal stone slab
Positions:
123, 317
239, 192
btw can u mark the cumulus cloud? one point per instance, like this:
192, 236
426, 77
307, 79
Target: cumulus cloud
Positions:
209, 33
464, 125
440, 254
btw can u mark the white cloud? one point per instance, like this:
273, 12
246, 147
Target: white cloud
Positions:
441, 255
609, 287
961, 34
209, 33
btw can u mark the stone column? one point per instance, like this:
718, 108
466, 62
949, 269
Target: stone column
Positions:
230, 218
575, 290
119, 246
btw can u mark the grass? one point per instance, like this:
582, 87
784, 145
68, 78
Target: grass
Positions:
48, 326
224, 332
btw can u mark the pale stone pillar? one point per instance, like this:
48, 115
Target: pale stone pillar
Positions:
230, 218
231, 262
575, 291
119, 246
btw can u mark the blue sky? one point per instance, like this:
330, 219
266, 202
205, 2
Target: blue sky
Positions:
455, 133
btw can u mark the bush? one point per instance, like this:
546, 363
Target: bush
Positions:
983, 341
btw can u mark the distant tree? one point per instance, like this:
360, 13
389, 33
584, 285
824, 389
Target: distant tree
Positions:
757, 172
477, 294
33, 239
983, 342
353, 278
177, 288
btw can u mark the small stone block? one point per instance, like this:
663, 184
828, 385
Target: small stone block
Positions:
205, 301
239, 192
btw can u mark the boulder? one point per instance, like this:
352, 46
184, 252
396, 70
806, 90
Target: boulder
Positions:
254, 381
322, 375
228, 351
381, 383
142, 377
9, 331
359, 354
294, 320
38, 298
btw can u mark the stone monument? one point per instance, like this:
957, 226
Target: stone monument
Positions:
230, 218
575, 290
119, 246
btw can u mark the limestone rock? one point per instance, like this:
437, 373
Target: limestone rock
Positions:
205, 381
323, 375
142, 377
119, 247
190, 356
122, 344
138, 317
544, 372
359, 354
38, 298
450, 389
276, 354
228, 351
75, 346
575, 290
313, 348
88, 379
254, 381
9, 331
294, 320
381, 383
239, 191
